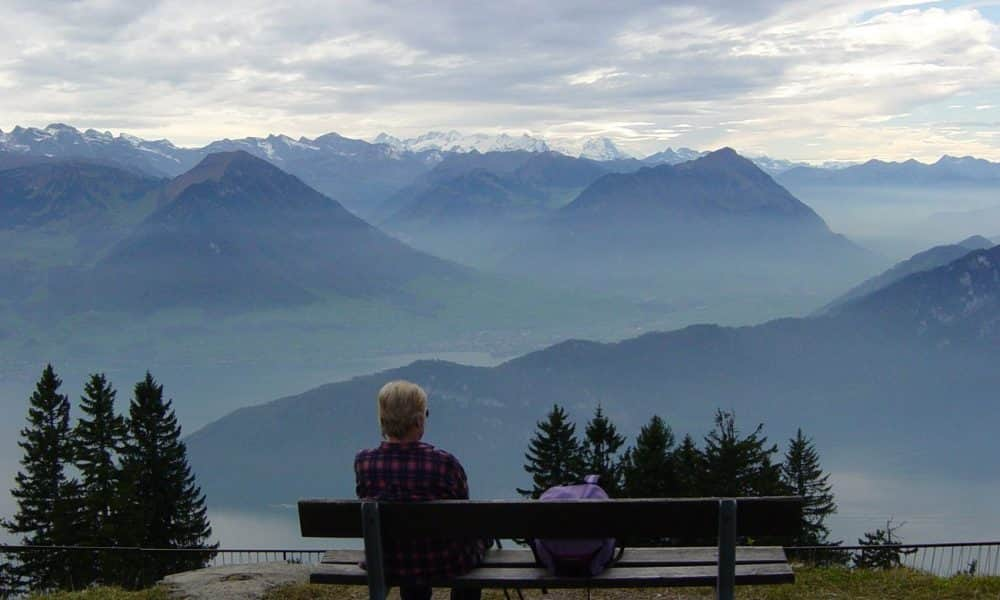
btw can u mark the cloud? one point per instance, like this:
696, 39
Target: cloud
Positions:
809, 80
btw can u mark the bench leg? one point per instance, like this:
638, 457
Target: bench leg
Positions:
726, 582
373, 551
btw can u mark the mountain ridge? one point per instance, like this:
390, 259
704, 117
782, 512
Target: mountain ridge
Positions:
922, 261
947, 169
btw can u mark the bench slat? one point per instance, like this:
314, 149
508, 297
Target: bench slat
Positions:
633, 557
625, 518
619, 577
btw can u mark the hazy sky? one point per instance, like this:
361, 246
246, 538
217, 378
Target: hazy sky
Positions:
810, 80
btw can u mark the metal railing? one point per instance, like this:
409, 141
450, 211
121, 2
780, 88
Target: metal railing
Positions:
943, 559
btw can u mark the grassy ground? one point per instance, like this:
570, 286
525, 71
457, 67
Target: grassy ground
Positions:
811, 584
827, 584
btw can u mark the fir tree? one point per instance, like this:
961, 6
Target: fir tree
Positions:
688, 467
554, 455
803, 476
48, 502
649, 471
737, 466
99, 438
600, 452
881, 549
8, 583
166, 508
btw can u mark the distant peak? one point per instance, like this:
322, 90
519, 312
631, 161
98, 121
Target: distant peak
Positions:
60, 127
725, 151
214, 167
225, 159
602, 148
727, 160
976, 242
724, 156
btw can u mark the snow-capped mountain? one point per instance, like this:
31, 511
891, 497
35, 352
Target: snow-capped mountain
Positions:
352, 171
273, 147
673, 157
454, 141
159, 157
603, 149
773, 166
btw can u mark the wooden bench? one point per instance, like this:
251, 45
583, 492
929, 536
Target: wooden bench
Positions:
723, 566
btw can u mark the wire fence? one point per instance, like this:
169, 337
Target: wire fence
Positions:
943, 560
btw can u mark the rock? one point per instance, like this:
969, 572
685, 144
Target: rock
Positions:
234, 582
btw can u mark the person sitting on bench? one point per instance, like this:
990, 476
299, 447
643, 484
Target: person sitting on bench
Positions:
404, 468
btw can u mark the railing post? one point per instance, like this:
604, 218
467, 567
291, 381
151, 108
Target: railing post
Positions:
725, 586
372, 528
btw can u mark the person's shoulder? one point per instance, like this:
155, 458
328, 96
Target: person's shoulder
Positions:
442, 455
364, 454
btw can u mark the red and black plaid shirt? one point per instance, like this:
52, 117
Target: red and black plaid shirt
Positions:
414, 472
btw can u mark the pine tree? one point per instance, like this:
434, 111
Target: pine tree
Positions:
802, 474
881, 548
600, 452
688, 467
166, 508
98, 438
739, 466
649, 472
554, 455
48, 502
8, 583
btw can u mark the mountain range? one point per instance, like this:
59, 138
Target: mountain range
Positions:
236, 232
716, 223
713, 227
466, 205
947, 170
870, 379
355, 172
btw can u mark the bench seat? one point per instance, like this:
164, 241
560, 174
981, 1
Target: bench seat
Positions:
638, 567
632, 557
616, 577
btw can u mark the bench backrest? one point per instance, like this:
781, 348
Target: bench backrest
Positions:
625, 518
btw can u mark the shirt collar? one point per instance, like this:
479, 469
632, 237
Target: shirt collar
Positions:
417, 444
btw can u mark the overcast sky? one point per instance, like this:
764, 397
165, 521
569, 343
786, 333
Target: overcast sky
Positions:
806, 80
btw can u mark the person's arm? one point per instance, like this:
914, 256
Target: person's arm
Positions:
360, 487
459, 483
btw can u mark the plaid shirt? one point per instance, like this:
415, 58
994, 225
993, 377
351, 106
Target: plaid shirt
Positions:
414, 472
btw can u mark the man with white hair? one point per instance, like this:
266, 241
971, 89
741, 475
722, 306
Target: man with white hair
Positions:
405, 469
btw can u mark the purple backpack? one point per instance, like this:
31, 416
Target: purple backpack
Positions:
574, 557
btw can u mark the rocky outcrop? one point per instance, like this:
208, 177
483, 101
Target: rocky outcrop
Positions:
234, 582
